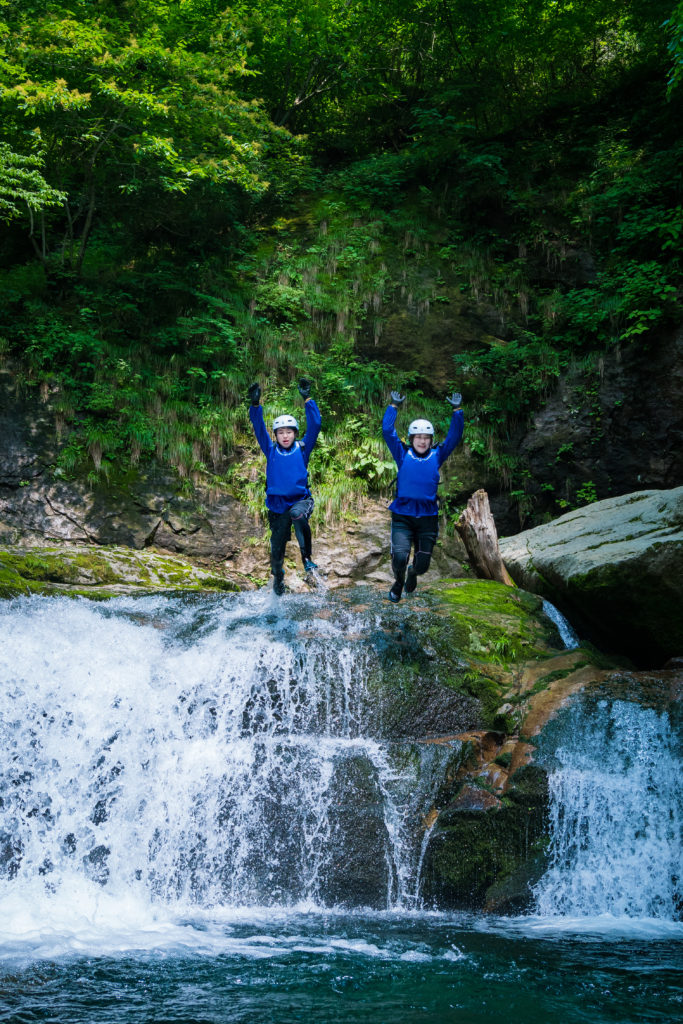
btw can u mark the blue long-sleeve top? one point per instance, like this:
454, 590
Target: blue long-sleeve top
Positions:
286, 469
418, 475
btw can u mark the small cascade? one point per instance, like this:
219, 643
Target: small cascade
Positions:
202, 753
568, 635
616, 814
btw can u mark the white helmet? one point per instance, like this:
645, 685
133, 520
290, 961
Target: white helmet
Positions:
285, 421
420, 427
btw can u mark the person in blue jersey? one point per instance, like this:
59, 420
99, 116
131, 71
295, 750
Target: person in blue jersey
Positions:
288, 496
415, 509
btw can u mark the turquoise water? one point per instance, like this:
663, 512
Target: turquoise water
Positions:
354, 969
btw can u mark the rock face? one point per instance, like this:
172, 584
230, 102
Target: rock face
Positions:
619, 427
612, 428
487, 854
141, 509
488, 828
615, 565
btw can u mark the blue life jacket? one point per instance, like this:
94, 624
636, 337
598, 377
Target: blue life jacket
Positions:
418, 475
286, 469
286, 475
417, 483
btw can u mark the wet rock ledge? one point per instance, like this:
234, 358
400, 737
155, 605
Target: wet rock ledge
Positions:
100, 573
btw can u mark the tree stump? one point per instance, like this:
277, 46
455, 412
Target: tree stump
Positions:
480, 537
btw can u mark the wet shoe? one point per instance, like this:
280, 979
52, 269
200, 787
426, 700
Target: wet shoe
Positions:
395, 592
411, 580
279, 585
309, 566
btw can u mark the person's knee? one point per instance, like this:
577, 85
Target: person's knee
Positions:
421, 562
301, 511
301, 527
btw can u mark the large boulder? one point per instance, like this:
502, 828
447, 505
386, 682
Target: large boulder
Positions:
616, 566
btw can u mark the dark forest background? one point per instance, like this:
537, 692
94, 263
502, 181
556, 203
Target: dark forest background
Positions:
424, 194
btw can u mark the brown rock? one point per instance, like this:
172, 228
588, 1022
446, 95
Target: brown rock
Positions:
472, 798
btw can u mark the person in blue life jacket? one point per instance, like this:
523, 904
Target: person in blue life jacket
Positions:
415, 509
288, 496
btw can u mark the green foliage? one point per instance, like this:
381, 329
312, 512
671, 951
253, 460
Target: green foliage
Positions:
168, 240
587, 493
129, 116
674, 28
22, 184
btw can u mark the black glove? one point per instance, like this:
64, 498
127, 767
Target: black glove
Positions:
254, 393
305, 387
397, 398
455, 399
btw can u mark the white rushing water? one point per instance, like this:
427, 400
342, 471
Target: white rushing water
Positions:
616, 816
195, 757
171, 769
568, 634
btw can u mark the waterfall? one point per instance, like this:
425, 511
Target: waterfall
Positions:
202, 753
568, 635
616, 814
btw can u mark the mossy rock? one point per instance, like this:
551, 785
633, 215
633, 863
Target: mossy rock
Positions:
446, 659
505, 623
495, 630
490, 858
100, 572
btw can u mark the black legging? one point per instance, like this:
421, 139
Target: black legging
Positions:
281, 531
419, 532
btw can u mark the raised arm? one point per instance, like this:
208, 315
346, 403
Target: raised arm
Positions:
257, 421
313, 418
313, 422
455, 430
393, 441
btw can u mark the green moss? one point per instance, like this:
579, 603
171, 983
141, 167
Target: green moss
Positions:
502, 624
100, 572
486, 691
489, 596
222, 584
44, 567
544, 682
11, 583
97, 565
504, 723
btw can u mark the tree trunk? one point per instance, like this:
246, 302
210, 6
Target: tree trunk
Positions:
478, 531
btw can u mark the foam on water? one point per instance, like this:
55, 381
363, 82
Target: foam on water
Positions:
597, 926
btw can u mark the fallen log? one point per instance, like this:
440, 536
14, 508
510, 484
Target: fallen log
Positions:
477, 529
